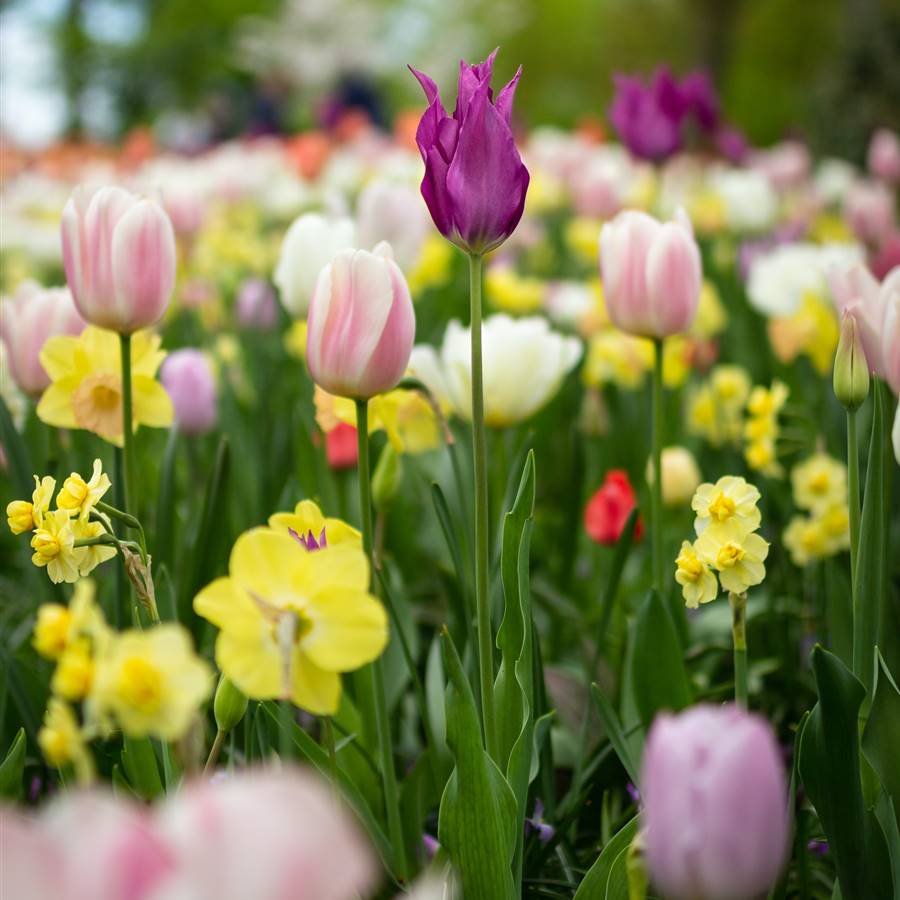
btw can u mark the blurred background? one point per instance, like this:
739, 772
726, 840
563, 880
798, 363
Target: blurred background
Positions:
195, 71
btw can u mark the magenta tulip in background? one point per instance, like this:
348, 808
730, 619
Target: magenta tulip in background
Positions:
119, 256
189, 380
475, 181
651, 273
361, 324
715, 816
27, 320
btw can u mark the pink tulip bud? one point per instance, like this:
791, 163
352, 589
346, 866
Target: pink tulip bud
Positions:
884, 156
890, 344
651, 273
361, 324
119, 256
256, 308
869, 208
33, 315
857, 292
188, 379
715, 804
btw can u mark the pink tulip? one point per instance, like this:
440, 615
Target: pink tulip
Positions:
256, 307
884, 156
890, 342
856, 291
26, 321
869, 209
119, 256
30, 862
715, 800
188, 379
361, 324
266, 835
651, 273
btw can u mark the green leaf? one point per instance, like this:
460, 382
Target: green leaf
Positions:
620, 556
881, 739
16, 454
830, 770
607, 878
616, 734
164, 536
477, 818
140, 765
870, 585
658, 677
445, 520
12, 767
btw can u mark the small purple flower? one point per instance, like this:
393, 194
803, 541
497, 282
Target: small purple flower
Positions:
430, 844
817, 848
308, 540
475, 181
538, 826
634, 793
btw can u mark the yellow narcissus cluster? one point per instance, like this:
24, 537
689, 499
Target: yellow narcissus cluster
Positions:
819, 486
86, 383
62, 538
761, 428
144, 683
512, 292
295, 611
716, 408
727, 551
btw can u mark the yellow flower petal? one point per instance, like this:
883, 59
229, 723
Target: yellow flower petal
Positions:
58, 357
312, 688
226, 604
348, 630
55, 406
151, 405
252, 660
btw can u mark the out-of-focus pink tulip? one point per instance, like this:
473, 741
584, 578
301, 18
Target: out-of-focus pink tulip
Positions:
32, 315
269, 836
651, 273
869, 209
715, 804
856, 291
256, 307
32, 862
887, 256
119, 256
361, 324
188, 379
884, 156
890, 343
785, 165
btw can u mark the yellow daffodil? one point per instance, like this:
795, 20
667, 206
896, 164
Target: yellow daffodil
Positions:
738, 561
767, 401
307, 525
75, 671
433, 266
505, 289
22, 516
54, 547
727, 508
582, 236
51, 630
805, 540
150, 682
291, 620
79, 497
761, 456
295, 339
731, 386
835, 523
62, 742
698, 583
91, 556
617, 358
86, 388
818, 482
711, 317
57, 626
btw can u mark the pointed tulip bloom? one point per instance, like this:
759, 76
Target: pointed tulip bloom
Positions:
475, 181
361, 324
651, 273
119, 256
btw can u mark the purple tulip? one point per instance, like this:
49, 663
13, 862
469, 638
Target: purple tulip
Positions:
715, 805
475, 181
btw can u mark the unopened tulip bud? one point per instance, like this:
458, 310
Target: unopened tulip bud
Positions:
188, 379
680, 476
229, 706
851, 371
387, 477
361, 324
119, 256
256, 308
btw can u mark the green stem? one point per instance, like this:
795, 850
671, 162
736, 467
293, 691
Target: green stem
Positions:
328, 737
376, 668
853, 491
214, 752
479, 453
738, 604
656, 524
285, 722
127, 423
128, 519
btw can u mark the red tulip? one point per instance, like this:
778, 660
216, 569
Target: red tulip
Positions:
340, 446
608, 510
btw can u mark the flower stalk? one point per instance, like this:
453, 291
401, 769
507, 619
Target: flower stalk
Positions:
656, 525
738, 603
127, 423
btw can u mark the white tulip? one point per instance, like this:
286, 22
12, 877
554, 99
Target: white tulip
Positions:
393, 211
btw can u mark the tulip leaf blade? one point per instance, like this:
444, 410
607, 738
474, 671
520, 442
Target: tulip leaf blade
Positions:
12, 767
881, 738
616, 734
141, 766
16, 453
476, 822
831, 774
607, 878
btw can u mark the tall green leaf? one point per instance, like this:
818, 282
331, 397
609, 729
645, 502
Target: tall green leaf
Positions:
12, 767
830, 770
881, 739
616, 734
477, 818
607, 878
164, 536
16, 453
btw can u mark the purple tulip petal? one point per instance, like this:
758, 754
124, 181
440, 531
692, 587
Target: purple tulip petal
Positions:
507, 95
434, 191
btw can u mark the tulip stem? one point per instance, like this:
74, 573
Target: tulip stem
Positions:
479, 452
656, 489
376, 667
214, 752
853, 492
127, 424
738, 604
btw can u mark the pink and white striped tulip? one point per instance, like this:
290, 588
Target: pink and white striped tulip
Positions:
890, 339
27, 320
651, 273
361, 324
119, 256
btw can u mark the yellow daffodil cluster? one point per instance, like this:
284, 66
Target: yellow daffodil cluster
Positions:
820, 487
512, 292
144, 683
231, 244
433, 266
812, 331
86, 388
64, 539
761, 428
715, 409
727, 545
295, 610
